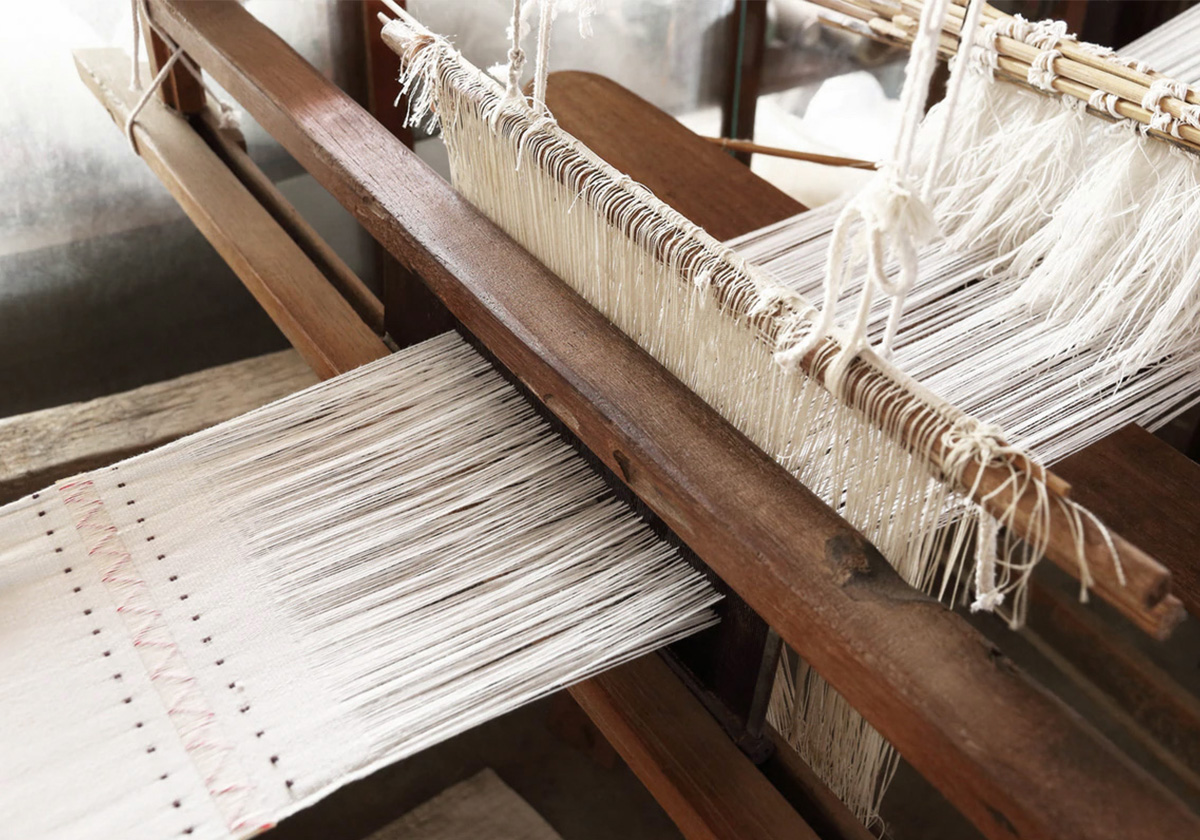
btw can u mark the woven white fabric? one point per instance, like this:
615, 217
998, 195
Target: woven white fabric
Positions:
201, 640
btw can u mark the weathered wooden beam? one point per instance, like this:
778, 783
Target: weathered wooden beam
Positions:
1157, 710
313, 316
1014, 760
707, 796
361, 299
38, 448
704, 783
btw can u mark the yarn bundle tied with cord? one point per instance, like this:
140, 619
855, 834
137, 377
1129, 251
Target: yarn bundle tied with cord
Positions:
938, 461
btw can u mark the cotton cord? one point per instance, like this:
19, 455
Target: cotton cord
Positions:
228, 115
890, 215
149, 92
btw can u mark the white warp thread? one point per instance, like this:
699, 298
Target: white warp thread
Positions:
202, 640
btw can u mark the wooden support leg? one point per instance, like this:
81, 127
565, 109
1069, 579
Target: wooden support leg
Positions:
180, 90
411, 312
747, 43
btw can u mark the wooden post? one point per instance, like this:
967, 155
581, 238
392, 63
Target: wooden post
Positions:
411, 312
747, 44
180, 90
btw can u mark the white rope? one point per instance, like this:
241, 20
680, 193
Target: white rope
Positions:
135, 73
159, 78
228, 115
516, 55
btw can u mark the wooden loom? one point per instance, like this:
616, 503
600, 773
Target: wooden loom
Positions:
1014, 760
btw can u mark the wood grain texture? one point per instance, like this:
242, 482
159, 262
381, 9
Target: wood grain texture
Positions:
313, 316
1150, 491
341, 276
706, 785
698, 179
1013, 759
38, 448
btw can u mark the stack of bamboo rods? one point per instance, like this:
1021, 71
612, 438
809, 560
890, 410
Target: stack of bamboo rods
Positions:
1079, 71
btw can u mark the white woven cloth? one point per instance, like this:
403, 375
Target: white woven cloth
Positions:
199, 641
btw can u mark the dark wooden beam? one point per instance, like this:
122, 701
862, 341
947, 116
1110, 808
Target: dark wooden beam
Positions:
709, 789
1013, 759
313, 316
747, 27
1145, 488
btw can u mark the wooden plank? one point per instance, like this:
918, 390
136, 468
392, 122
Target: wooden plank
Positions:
696, 178
704, 783
1148, 490
313, 316
1013, 759
38, 448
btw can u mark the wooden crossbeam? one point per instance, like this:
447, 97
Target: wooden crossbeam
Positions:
1014, 760
707, 796
314, 317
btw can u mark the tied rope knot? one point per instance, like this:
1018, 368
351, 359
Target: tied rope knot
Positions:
1162, 120
1106, 102
1041, 71
970, 440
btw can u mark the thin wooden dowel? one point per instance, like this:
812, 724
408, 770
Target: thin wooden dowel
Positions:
1079, 72
792, 154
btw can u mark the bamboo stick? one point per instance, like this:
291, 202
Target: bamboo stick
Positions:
793, 154
1079, 72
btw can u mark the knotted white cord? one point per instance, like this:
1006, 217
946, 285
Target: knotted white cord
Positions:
1041, 70
516, 55
894, 218
1106, 102
1162, 120
229, 117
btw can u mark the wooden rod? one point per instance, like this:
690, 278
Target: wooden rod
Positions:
705, 784
313, 316
811, 157
1079, 72
1013, 759
341, 276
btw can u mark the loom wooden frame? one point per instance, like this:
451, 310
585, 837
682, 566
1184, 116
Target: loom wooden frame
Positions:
1014, 760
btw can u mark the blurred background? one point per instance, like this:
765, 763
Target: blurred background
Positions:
104, 285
